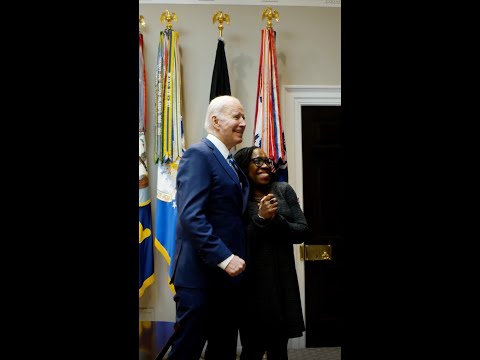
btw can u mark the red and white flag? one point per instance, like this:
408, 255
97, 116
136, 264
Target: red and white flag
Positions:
268, 130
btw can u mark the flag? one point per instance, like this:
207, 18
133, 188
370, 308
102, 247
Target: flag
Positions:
220, 81
268, 130
145, 239
169, 142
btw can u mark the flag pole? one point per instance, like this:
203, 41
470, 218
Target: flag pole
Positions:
145, 241
220, 80
170, 140
268, 130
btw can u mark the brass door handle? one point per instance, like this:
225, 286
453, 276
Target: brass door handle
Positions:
315, 252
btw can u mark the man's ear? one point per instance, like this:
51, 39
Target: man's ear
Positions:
215, 122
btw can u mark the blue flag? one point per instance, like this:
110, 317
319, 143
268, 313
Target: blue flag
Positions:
145, 242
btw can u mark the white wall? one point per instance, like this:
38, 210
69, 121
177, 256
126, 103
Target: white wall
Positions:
308, 53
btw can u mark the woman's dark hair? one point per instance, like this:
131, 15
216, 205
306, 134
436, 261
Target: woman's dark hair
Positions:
243, 157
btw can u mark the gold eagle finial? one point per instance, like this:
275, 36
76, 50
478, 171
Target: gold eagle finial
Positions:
168, 17
270, 14
221, 17
141, 23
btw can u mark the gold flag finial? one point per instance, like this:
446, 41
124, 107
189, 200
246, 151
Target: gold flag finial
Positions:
168, 17
221, 17
270, 14
141, 23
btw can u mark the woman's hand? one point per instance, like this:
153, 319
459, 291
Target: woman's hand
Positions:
267, 207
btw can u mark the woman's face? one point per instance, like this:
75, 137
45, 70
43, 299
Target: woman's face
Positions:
260, 175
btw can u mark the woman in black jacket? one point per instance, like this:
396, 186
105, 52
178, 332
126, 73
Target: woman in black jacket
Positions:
274, 221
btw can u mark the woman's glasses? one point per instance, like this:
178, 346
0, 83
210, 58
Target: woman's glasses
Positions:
259, 161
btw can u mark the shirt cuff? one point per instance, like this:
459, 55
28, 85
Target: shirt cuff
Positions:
225, 262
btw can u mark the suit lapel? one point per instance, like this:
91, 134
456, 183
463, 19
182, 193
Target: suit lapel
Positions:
241, 180
218, 155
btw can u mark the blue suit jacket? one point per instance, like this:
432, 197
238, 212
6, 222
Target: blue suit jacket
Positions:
211, 199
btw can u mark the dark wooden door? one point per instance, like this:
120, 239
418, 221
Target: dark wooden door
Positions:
323, 197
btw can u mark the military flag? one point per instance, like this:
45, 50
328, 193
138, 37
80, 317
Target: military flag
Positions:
170, 143
145, 239
268, 130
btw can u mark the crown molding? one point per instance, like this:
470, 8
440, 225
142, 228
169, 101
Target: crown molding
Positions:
318, 3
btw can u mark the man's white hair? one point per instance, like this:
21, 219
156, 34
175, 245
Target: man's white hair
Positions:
217, 108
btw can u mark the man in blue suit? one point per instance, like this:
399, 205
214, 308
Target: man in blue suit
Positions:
208, 261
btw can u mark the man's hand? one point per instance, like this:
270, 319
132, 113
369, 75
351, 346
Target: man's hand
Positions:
235, 266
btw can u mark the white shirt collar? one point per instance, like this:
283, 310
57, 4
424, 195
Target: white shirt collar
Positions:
219, 145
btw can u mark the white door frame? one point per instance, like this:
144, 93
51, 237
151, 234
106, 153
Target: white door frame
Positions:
294, 97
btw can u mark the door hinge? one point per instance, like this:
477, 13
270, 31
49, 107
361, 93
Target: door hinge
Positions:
315, 252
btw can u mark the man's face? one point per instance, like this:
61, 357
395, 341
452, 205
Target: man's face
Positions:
231, 124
